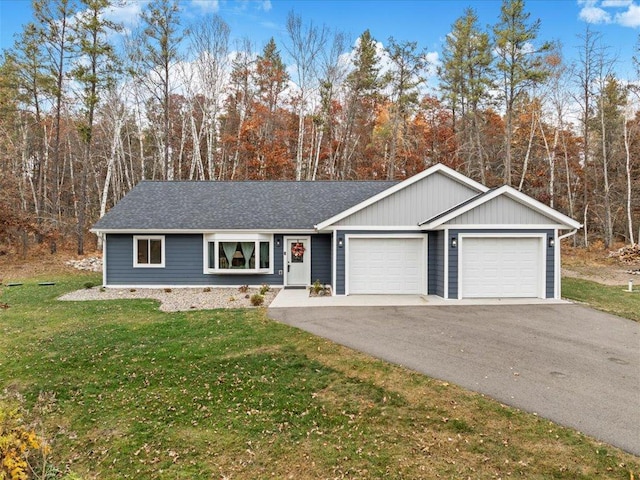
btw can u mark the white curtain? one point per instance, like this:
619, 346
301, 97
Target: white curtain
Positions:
247, 250
229, 249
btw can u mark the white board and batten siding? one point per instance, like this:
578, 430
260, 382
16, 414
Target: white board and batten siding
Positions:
413, 204
383, 265
501, 267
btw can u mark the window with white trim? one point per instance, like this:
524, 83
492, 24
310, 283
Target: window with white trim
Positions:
148, 251
238, 253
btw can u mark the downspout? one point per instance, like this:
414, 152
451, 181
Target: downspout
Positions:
558, 262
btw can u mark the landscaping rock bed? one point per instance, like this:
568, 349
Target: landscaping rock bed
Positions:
177, 299
91, 264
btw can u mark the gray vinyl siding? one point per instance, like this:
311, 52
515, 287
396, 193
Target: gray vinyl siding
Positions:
413, 204
502, 210
321, 264
435, 264
183, 264
550, 278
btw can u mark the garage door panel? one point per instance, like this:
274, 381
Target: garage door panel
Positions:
385, 265
501, 267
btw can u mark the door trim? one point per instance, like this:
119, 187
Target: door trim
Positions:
285, 241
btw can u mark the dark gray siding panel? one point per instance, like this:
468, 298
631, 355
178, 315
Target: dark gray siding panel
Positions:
183, 264
321, 264
340, 268
453, 264
435, 264
549, 266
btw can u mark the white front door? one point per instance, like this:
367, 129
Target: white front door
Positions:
297, 261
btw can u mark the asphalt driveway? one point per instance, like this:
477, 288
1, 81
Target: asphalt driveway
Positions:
570, 364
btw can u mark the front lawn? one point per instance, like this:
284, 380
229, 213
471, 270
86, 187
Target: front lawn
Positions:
612, 299
132, 392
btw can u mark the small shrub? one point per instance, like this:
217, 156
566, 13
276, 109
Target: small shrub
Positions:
206, 289
264, 289
88, 285
132, 290
243, 288
317, 287
167, 290
232, 299
102, 289
22, 451
257, 299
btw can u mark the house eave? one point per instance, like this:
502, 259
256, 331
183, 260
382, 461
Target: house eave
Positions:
127, 231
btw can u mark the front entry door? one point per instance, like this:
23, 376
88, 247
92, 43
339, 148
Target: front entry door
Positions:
297, 261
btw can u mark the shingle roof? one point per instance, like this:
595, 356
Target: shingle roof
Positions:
176, 205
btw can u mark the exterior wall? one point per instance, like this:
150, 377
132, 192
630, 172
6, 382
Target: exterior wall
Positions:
435, 263
413, 204
501, 210
183, 264
549, 267
321, 263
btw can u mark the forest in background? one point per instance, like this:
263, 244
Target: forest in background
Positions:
83, 120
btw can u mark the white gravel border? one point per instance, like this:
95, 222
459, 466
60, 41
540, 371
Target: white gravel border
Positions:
176, 299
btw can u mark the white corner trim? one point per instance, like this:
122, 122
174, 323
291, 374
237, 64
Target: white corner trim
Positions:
104, 260
514, 195
404, 184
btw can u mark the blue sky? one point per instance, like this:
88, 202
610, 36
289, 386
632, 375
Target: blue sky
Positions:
424, 21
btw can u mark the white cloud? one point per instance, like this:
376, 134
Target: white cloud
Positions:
126, 13
211, 6
616, 3
630, 18
591, 14
622, 12
266, 5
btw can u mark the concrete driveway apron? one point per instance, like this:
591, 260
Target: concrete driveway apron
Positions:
570, 364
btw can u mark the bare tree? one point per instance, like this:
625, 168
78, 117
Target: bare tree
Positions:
210, 42
154, 52
306, 43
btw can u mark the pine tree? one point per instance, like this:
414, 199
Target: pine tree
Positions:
465, 80
94, 74
519, 64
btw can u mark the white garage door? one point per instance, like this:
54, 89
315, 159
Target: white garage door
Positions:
500, 267
385, 265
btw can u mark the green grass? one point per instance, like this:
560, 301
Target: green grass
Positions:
231, 394
611, 299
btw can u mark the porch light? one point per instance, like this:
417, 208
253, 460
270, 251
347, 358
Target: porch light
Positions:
277, 241
552, 242
454, 242
340, 242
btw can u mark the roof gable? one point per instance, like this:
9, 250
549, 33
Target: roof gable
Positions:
460, 189
501, 206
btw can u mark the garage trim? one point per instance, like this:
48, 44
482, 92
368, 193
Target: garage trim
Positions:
391, 236
542, 252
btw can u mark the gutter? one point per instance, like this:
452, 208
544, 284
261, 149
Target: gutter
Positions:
571, 233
